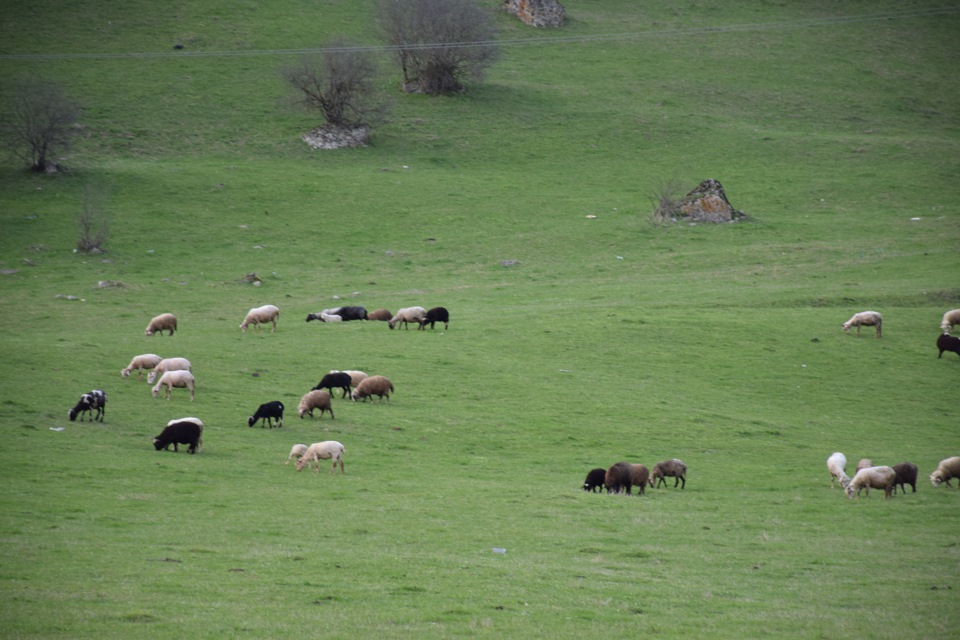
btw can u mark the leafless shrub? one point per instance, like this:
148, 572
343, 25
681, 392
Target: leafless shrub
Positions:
39, 123
93, 220
666, 199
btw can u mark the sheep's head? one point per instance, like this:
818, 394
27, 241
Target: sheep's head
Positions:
250, 421
846, 327
155, 391
844, 481
935, 478
849, 490
157, 444
300, 463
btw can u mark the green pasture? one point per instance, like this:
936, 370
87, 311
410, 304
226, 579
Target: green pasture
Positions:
575, 341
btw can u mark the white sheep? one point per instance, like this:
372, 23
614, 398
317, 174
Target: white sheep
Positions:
161, 323
169, 364
372, 386
141, 362
948, 469
261, 315
408, 314
873, 478
837, 465
863, 464
330, 317
866, 319
326, 450
950, 318
315, 399
296, 451
356, 377
171, 379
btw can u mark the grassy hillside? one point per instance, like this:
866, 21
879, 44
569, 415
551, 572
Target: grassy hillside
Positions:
608, 338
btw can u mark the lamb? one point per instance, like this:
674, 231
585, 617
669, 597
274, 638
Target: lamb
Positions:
163, 322
315, 400
95, 400
906, 475
326, 450
619, 477
341, 313
335, 380
267, 413
382, 315
864, 318
950, 318
181, 379
261, 315
863, 464
372, 386
947, 470
873, 478
946, 342
669, 468
408, 314
296, 451
187, 431
837, 465
594, 480
436, 314
640, 476
141, 362
169, 364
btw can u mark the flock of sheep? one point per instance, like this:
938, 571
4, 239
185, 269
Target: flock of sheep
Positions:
869, 476
621, 477
945, 342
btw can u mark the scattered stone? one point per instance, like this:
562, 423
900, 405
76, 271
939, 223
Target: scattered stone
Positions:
537, 13
251, 278
509, 263
330, 137
106, 284
7, 272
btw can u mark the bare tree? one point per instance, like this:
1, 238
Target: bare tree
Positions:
340, 83
439, 43
39, 123
93, 220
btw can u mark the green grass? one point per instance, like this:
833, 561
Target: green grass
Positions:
611, 339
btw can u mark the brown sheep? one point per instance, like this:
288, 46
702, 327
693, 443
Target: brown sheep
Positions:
383, 315
669, 468
640, 476
619, 478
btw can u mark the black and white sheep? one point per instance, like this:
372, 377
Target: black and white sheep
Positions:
619, 477
950, 318
326, 450
95, 400
344, 314
356, 377
372, 386
187, 431
865, 319
140, 363
666, 469
261, 315
947, 470
837, 466
381, 315
315, 400
169, 364
639, 477
161, 323
407, 315
946, 342
434, 315
881, 477
906, 475
594, 480
335, 380
267, 413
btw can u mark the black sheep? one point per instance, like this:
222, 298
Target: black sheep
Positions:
345, 313
95, 400
906, 475
267, 413
619, 477
335, 380
594, 481
946, 342
183, 432
437, 314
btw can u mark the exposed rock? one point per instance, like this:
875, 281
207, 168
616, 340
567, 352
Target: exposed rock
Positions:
330, 137
707, 203
537, 13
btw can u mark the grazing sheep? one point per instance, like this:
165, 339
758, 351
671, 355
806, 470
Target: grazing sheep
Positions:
95, 400
866, 319
408, 314
315, 400
873, 478
837, 466
187, 431
437, 314
863, 464
261, 315
906, 475
373, 386
950, 318
267, 413
669, 468
640, 476
619, 477
946, 471
594, 480
141, 362
169, 364
342, 313
296, 451
356, 377
170, 379
382, 315
326, 450
164, 321
335, 380
946, 342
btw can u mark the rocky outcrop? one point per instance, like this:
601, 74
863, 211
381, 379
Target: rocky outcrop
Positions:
707, 203
330, 137
537, 13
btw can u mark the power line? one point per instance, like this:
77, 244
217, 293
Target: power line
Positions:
546, 41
